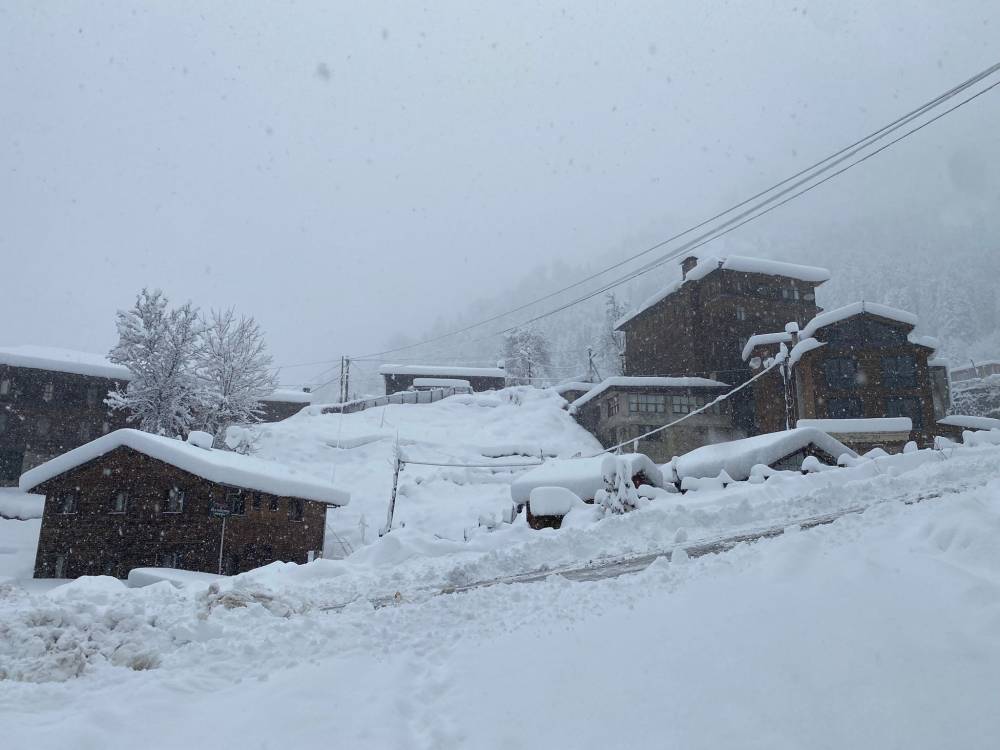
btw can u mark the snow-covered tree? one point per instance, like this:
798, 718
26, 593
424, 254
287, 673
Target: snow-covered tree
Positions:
609, 344
233, 367
526, 356
619, 494
158, 345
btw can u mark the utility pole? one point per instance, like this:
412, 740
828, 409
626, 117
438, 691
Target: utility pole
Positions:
341, 397
395, 485
347, 378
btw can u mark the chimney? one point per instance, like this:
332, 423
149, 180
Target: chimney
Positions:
687, 265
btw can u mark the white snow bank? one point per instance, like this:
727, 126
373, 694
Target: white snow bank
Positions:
848, 426
856, 308
968, 423
582, 476
445, 371
62, 360
441, 383
981, 438
139, 577
215, 465
738, 457
644, 382
18, 505
552, 501
764, 339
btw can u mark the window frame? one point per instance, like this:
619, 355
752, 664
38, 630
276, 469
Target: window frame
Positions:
6, 387
235, 501
274, 504
114, 504
647, 403
860, 411
891, 372
841, 383
916, 416
296, 509
74, 504
49, 392
173, 492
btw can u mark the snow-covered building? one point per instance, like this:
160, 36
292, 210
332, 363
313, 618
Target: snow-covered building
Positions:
283, 403
622, 408
582, 476
52, 400
131, 499
401, 377
857, 362
976, 371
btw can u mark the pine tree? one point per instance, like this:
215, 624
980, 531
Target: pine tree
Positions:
526, 356
159, 347
233, 366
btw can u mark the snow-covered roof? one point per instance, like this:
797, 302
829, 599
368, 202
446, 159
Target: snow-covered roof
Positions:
970, 423
927, 341
707, 265
62, 360
572, 385
803, 347
441, 383
763, 339
856, 308
583, 476
738, 457
446, 371
845, 426
289, 396
622, 381
220, 466
939, 362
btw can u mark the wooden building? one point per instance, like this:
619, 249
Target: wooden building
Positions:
401, 377
622, 408
283, 403
697, 325
51, 401
976, 371
860, 361
131, 499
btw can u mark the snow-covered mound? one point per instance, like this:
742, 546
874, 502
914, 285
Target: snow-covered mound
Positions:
512, 426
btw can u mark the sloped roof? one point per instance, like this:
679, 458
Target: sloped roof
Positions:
62, 360
644, 382
214, 465
289, 396
443, 371
738, 457
829, 317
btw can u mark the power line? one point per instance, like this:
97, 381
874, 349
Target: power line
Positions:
815, 169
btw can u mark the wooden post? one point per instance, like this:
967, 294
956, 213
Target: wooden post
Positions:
392, 498
222, 541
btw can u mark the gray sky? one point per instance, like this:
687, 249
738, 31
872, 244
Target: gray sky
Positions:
348, 171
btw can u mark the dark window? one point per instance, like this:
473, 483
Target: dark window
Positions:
899, 372
3, 421
48, 392
296, 509
174, 501
255, 501
642, 403
110, 567
171, 559
612, 406
231, 566
841, 373
5, 387
68, 502
235, 502
905, 406
59, 568
120, 502
274, 503
844, 408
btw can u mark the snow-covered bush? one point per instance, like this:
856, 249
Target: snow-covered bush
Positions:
619, 494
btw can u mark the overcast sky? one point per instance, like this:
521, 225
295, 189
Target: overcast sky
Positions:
348, 171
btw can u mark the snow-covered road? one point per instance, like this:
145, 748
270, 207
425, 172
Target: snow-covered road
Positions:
881, 629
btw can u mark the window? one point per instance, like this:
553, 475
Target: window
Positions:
612, 406
255, 501
120, 502
741, 313
48, 392
171, 559
844, 408
905, 406
235, 502
110, 567
792, 294
841, 373
274, 503
175, 501
42, 425
3, 421
296, 509
68, 502
5, 387
59, 568
899, 372
84, 432
645, 403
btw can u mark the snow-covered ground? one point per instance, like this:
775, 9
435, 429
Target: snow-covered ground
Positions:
881, 629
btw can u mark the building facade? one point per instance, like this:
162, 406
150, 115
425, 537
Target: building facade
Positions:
52, 401
283, 403
401, 377
110, 507
623, 408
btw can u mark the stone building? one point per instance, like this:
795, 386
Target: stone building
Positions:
131, 499
622, 408
52, 400
858, 362
401, 377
